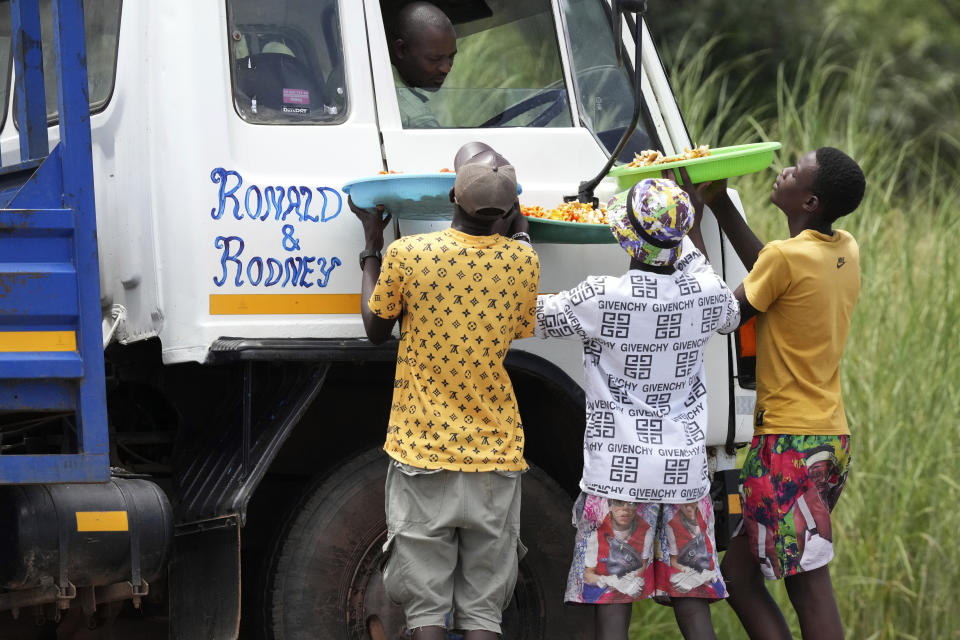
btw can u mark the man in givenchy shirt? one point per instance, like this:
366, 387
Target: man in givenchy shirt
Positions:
643, 335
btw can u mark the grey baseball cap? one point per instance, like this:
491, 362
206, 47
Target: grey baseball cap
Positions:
480, 185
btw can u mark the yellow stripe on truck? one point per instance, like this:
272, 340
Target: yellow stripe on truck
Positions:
19, 341
227, 304
88, 521
241, 304
733, 503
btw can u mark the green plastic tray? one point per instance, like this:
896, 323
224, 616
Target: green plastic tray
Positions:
723, 162
562, 232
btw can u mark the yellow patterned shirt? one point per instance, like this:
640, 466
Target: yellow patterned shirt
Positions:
464, 299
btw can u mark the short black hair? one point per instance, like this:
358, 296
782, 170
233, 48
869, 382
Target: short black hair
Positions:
416, 17
839, 184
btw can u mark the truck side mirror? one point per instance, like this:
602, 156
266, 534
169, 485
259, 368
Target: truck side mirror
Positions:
620, 7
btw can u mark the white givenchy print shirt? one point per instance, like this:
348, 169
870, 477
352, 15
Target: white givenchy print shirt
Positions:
643, 336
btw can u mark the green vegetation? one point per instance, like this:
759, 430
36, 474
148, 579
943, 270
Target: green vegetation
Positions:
897, 563
917, 44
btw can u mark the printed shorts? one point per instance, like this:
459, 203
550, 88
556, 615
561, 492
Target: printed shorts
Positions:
627, 551
790, 484
453, 543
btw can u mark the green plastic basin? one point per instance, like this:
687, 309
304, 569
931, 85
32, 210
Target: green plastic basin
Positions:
563, 232
723, 162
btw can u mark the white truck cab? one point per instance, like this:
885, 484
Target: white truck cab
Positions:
239, 376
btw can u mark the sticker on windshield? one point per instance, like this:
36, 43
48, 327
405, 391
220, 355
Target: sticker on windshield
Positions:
296, 101
296, 96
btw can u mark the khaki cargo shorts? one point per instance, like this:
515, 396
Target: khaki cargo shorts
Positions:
453, 543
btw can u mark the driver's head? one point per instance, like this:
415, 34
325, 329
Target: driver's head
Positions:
423, 46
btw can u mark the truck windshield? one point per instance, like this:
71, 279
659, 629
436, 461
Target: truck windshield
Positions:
287, 61
604, 91
507, 70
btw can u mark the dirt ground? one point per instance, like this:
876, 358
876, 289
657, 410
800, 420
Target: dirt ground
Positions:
74, 626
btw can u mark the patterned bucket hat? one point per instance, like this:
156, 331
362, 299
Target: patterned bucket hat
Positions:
650, 220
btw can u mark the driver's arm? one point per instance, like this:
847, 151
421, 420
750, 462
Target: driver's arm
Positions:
415, 112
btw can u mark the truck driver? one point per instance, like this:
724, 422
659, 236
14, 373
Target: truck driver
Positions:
422, 46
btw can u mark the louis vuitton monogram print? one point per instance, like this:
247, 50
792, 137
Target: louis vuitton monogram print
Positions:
644, 334
463, 299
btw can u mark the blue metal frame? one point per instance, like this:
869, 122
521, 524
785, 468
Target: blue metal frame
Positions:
28, 68
49, 269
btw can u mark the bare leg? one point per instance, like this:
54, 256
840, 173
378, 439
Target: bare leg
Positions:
812, 596
480, 635
429, 633
693, 618
613, 621
758, 611
375, 629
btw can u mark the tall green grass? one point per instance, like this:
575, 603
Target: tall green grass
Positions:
897, 524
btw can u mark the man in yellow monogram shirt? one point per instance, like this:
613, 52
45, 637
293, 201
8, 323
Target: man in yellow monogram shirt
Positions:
455, 438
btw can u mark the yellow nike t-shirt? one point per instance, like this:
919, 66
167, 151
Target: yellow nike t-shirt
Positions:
464, 299
806, 288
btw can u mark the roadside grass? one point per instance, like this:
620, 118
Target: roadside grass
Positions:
897, 561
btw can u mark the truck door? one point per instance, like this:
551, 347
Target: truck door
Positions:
258, 118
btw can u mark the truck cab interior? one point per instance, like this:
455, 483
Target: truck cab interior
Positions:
287, 62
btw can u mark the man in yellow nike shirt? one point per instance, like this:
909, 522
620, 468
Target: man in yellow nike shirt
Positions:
803, 291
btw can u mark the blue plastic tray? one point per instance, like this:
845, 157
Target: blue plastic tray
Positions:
409, 196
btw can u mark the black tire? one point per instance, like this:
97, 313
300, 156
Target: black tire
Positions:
326, 583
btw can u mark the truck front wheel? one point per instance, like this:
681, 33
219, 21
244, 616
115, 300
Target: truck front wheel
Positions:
326, 583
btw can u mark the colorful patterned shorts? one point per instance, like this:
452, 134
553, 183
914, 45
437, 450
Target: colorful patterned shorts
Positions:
626, 551
790, 484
